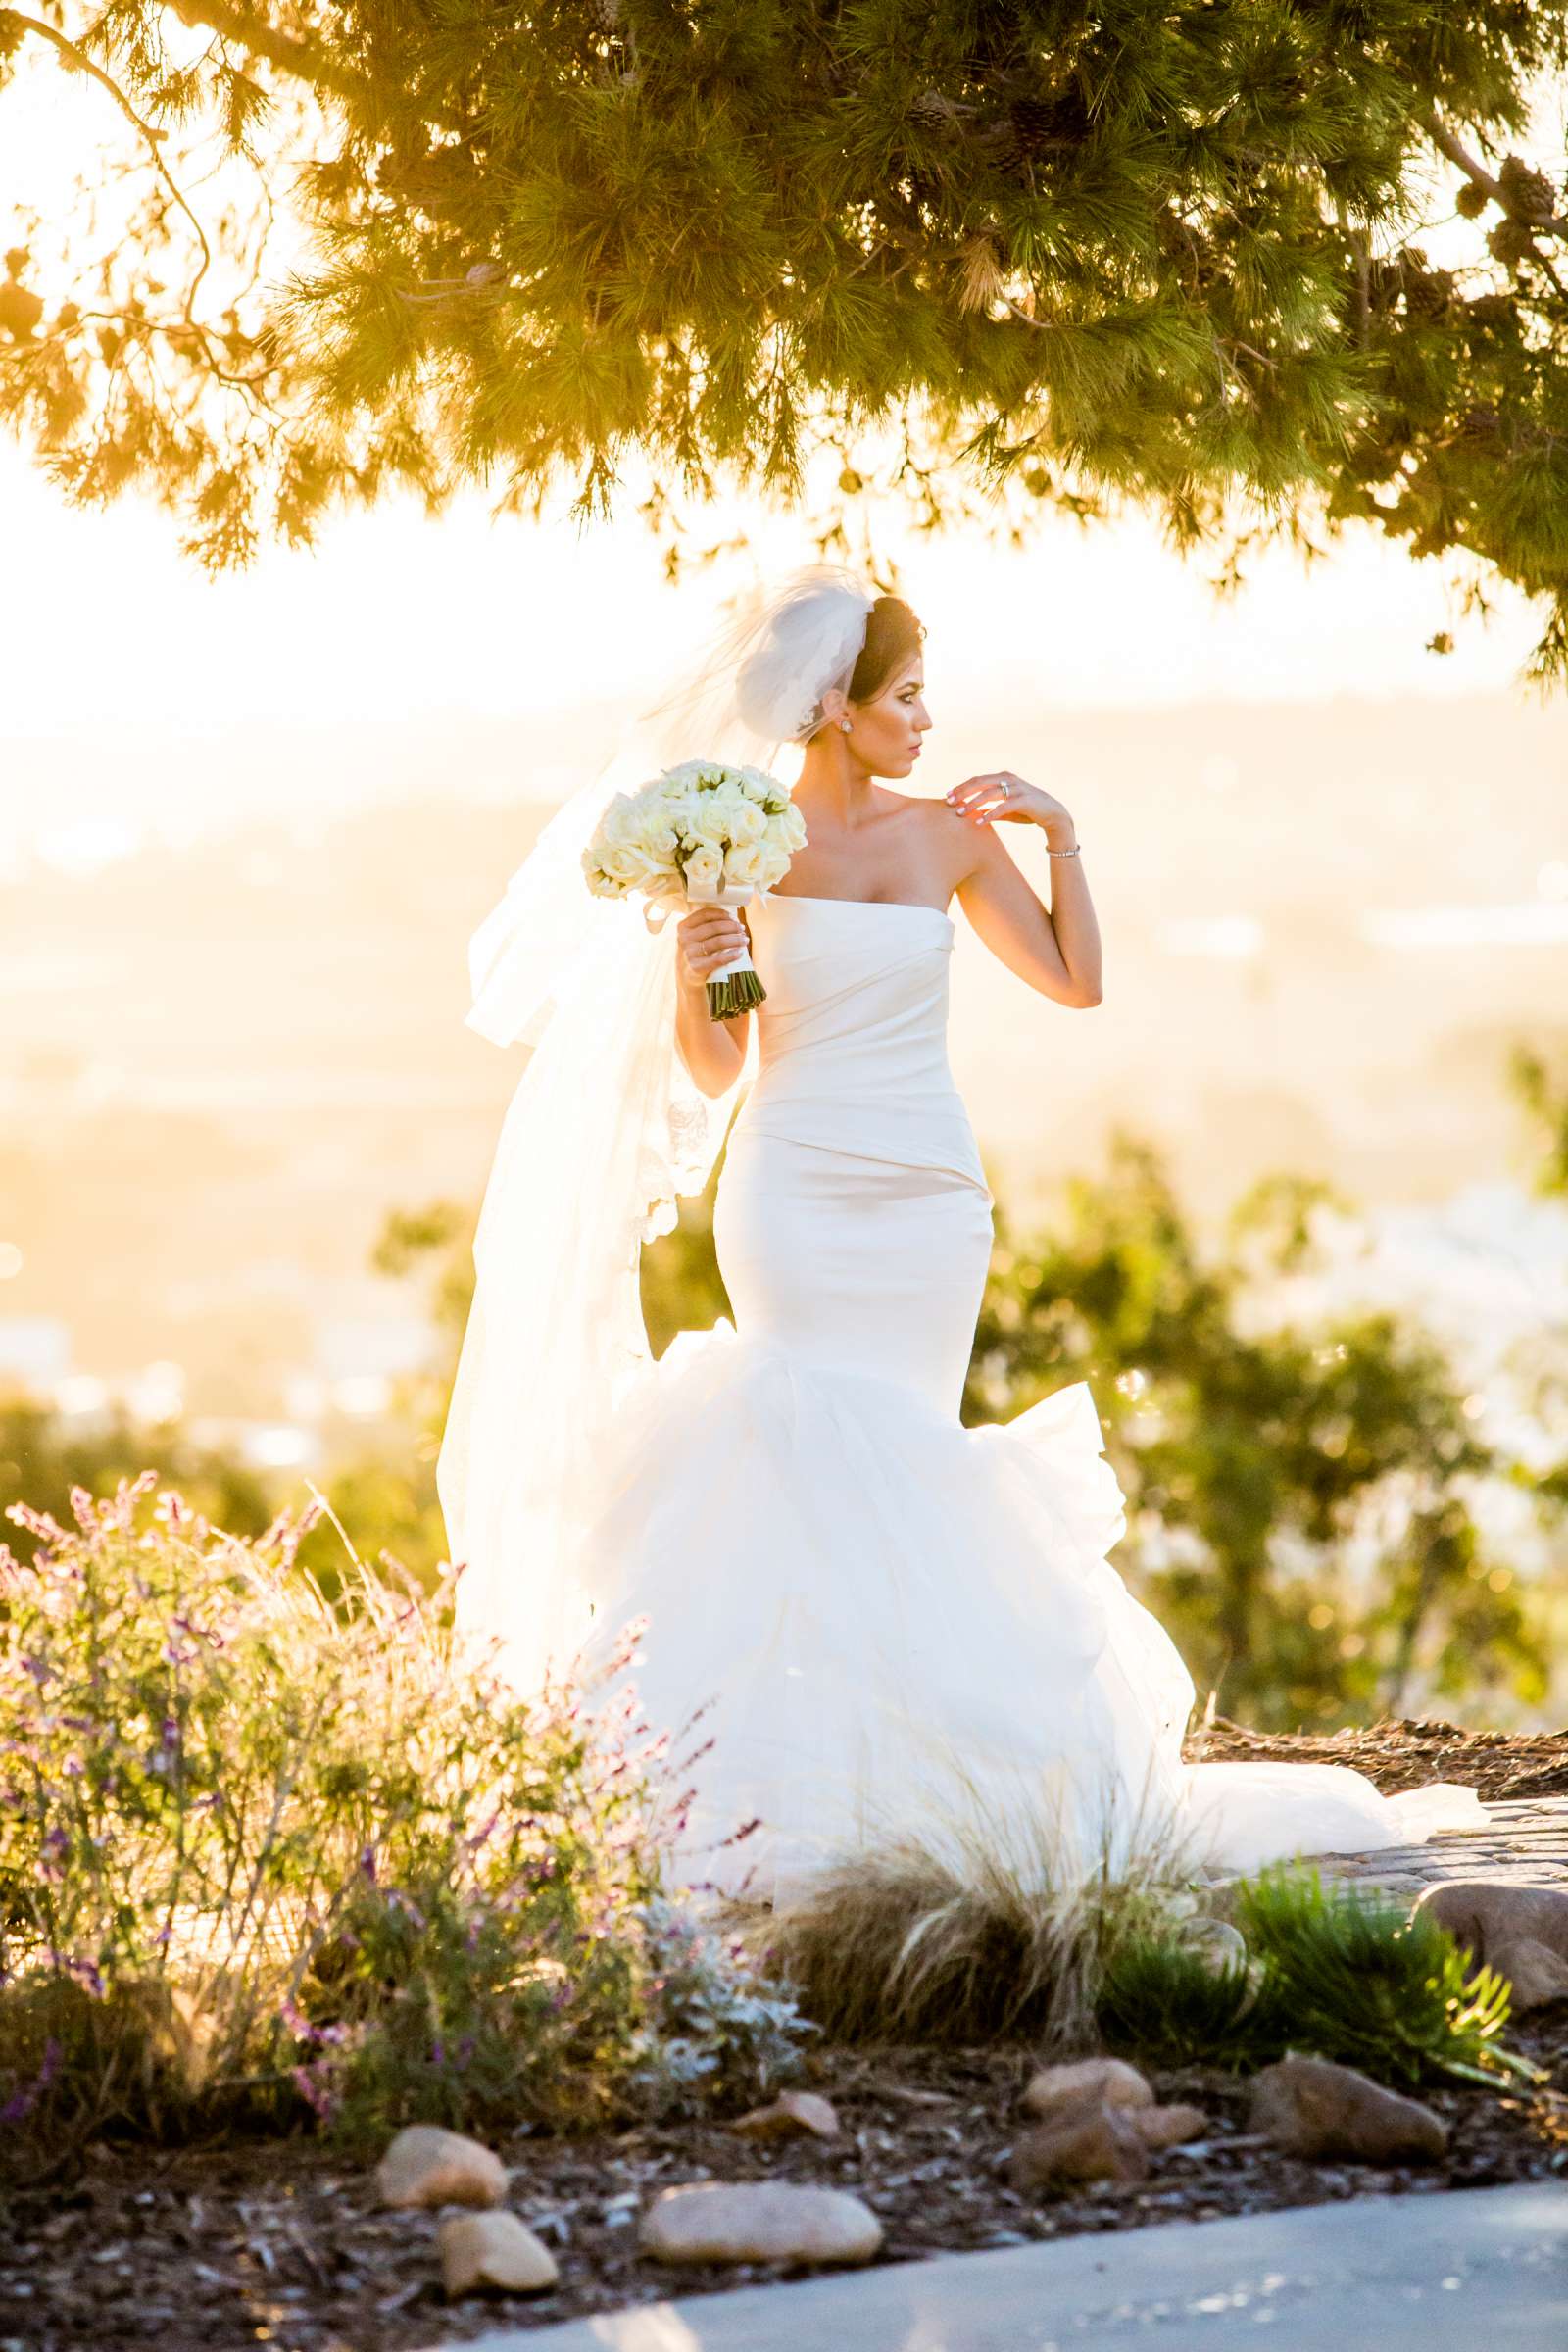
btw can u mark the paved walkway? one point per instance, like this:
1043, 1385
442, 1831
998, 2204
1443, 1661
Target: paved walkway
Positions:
1423, 2273
1525, 1842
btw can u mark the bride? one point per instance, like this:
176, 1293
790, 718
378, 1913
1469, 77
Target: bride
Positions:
889, 1627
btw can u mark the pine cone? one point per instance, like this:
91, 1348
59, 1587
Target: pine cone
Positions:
1428, 297
1479, 425
1035, 123
1491, 310
1471, 201
20, 310
1528, 195
1512, 241
932, 109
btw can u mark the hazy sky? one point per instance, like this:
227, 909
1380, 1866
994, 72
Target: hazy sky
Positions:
394, 617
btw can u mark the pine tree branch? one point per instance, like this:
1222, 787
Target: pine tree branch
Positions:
287, 51
1444, 139
152, 138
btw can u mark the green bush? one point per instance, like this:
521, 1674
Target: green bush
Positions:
262, 1854
1345, 1974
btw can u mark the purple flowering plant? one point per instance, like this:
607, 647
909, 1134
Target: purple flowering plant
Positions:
267, 1855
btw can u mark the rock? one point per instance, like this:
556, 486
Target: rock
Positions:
1167, 2126
1311, 2107
1483, 1915
1080, 2143
1538, 1975
792, 2113
426, 2166
493, 2253
1220, 1947
1088, 2081
758, 2221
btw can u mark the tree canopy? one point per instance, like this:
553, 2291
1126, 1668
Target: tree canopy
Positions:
1297, 253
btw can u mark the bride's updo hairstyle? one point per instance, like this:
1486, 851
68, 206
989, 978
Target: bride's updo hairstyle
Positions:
893, 635
826, 629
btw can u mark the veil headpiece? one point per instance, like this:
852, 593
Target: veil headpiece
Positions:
605, 1132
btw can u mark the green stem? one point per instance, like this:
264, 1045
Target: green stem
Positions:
735, 993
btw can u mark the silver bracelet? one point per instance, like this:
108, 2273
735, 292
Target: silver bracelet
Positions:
1072, 852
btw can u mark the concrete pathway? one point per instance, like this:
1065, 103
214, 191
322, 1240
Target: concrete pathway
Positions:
1469, 2271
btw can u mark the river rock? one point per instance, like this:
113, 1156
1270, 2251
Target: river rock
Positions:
1483, 1915
494, 2254
1538, 1975
1079, 2144
791, 2115
426, 2165
1167, 2126
758, 2221
1311, 2107
1087, 2083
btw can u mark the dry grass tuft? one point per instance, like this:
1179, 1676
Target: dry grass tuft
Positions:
975, 1935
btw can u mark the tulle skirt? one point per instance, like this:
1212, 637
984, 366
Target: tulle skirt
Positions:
879, 1627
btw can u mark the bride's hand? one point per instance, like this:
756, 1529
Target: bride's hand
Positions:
708, 938
1004, 798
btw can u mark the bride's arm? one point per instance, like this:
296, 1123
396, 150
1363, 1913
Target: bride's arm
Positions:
1055, 949
714, 1051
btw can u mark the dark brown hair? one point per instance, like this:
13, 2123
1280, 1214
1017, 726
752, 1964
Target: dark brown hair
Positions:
893, 635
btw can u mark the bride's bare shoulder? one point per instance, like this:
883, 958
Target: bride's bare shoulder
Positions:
941, 830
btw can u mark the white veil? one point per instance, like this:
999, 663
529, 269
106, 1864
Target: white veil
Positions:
605, 1131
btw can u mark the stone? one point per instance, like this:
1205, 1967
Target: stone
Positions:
1080, 2143
1537, 1974
1167, 2126
1220, 1947
426, 2165
493, 2254
758, 2221
1482, 1915
1312, 2107
1087, 2081
792, 2114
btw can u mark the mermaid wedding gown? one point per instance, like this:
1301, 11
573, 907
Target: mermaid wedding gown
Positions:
888, 1627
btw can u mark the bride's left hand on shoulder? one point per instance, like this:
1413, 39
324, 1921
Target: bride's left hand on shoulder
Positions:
1004, 798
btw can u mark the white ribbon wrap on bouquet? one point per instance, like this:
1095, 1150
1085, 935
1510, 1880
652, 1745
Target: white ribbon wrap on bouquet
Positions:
732, 896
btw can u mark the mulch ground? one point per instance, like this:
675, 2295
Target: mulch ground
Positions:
1498, 1765
199, 2250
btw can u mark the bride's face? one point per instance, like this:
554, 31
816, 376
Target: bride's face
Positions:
885, 731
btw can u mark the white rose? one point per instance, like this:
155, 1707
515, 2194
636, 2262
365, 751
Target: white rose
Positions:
619, 821
705, 868
771, 865
756, 785
745, 864
747, 822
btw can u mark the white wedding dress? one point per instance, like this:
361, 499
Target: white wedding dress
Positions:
890, 1627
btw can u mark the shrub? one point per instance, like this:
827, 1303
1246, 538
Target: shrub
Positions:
1346, 1974
263, 1855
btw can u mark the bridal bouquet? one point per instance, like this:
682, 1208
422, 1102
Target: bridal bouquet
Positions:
705, 833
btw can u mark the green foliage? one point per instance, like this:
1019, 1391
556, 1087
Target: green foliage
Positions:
261, 1855
1252, 1456
43, 1458
1339, 1973
1069, 255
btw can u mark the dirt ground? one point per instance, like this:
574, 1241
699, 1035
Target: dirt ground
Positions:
199, 2250
1498, 1765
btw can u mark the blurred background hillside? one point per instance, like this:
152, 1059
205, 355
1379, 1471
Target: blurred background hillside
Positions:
247, 826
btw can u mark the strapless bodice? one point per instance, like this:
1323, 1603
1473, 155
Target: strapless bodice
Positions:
853, 1036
